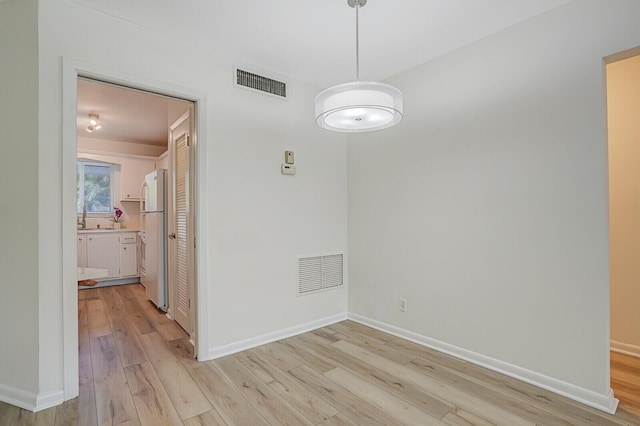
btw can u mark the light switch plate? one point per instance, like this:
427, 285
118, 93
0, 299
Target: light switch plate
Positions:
288, 157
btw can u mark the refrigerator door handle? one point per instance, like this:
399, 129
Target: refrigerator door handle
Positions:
143, 200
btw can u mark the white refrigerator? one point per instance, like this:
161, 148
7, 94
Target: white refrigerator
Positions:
153, 237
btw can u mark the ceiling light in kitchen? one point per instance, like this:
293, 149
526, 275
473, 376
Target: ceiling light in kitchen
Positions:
94, 123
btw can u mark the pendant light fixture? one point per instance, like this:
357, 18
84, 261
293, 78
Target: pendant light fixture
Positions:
359, 106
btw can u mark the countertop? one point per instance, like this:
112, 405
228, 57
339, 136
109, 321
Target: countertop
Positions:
101, 230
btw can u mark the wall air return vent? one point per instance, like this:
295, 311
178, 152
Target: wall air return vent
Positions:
249, 80
319, 273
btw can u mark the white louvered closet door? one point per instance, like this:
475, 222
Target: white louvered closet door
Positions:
181, 197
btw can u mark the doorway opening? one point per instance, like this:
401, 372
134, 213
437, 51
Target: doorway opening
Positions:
131, 179
117, 187
623, 109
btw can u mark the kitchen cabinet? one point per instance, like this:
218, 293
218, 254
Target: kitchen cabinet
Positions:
102, 252
128, 255
115, 251
133, 170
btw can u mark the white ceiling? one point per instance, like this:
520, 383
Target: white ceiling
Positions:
125, 115
313, 41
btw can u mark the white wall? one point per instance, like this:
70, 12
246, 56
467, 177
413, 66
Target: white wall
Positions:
623, 110
487, 206
19, 193
258, 219
119, 147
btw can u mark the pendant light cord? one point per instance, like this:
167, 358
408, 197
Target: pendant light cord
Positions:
357, 42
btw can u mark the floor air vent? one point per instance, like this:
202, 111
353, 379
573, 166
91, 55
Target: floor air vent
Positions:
258, 82
319, 273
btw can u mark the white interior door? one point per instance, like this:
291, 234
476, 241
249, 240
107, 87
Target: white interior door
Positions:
180, 228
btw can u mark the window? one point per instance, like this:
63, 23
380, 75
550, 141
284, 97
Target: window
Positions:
95, 187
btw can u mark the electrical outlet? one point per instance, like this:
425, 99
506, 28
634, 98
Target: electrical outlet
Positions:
403, 305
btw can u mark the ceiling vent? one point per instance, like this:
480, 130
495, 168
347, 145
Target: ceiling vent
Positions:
319, 273
260, 83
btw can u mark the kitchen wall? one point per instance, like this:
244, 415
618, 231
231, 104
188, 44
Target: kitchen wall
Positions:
487, 207
623, 110
255, 220
19, 266
119, 147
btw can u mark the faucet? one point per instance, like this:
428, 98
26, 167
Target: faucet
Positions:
84, 216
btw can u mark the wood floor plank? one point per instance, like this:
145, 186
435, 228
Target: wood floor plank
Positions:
454, 395
83, 319
565, 409
9, 414
80, 410
225, 397
625, 360
113, 302
137, 293
126, 339
132, 422
458, 417
278, 356
338, 420
45, 417
210, 418
135, 313
327, 333
185, 395
390, 404
386, 350
311, 406
150, 397
407, 390
87, 293
182, 349
367, 331
306, 357
171, 331
264, 399
515, 403
629, 377
97, 318
355, 409
114, 403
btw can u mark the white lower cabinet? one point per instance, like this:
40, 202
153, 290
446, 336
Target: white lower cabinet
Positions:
128, 256
102, 252
115, 251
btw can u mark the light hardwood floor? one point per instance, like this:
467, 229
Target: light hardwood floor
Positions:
625, 381
136, 368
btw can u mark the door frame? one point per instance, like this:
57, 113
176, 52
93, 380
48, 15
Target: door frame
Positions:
71, 70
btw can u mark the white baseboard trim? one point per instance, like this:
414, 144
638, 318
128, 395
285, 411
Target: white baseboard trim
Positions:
625, 348
243, 345
29, 400
588, 397
49, 400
